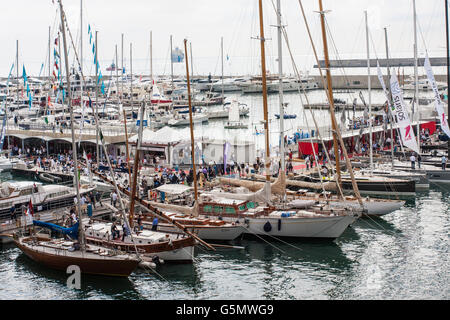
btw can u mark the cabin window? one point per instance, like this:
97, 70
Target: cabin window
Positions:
218, 209
242, 207
251, 205
207, 209
181, 153
357, 82
230, 210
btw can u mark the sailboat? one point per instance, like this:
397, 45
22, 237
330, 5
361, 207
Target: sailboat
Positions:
234, 121
61, 253
258, 211
158, 98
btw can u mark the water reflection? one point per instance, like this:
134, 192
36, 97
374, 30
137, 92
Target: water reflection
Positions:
91, 285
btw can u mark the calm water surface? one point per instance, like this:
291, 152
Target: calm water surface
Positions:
401, 256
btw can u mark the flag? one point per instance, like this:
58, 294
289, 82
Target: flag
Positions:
439, 105
42, 67
24, 76
399, 110
30, 210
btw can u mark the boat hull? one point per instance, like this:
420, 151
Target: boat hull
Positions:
308, 227
373, 208
59, 261
382, 187
180, 251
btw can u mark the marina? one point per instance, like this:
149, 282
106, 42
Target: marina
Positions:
171, 183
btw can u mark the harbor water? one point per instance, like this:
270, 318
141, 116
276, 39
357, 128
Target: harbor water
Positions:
404, 255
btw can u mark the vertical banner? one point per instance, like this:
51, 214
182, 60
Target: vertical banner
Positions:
399, 110
439, 105
226, 151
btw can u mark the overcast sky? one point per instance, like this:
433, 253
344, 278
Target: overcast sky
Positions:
204, 22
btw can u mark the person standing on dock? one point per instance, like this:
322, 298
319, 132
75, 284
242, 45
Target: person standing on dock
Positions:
419, 159
413, 161
444, 162
114, 198
12, 212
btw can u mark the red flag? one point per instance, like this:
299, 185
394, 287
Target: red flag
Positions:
30, 208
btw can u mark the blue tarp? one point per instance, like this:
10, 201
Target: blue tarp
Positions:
72, 232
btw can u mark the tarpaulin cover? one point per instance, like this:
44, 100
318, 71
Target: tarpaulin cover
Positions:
306, 148
72, 232
431, 126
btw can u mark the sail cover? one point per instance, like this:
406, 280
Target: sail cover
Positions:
439, 105
399, 110
72, 232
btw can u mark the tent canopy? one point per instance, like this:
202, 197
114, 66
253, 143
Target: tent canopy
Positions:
163, 136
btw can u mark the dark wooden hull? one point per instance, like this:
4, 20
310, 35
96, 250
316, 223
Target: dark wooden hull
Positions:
101, 266
382, 187
143, 248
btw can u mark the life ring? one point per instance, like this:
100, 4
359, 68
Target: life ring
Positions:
267, 227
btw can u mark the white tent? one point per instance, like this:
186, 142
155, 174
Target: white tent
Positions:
164, 136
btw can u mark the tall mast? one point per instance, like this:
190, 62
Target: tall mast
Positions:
221, 50
192, 62
390, 98
280, 75
17, 69
117, 75
131, 79
191, 125
264, 92
136, 165
96, 97
49, 57
74, 146
171, 61
416, 78
151, 57
330, 92
448, 66
121, 78
370, 94
81, 49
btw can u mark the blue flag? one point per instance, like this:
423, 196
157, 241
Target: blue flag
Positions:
24, 75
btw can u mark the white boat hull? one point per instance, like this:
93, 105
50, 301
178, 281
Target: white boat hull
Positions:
373, 208
305, 227
181, 255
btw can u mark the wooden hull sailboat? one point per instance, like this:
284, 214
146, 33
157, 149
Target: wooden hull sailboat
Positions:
55, 254
175, 248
